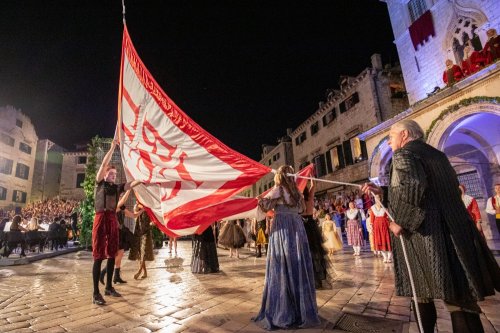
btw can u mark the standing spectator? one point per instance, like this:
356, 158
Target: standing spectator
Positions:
289, 296
472, 207
261, 231
448, 257
332, 241
354, 228
493, 206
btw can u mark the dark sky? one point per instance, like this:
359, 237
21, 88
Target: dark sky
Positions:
243, 70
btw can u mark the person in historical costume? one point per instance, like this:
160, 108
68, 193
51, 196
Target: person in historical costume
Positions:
369, 229
337, 218
233, 237
125, 237
473, 60
248, 226
354, 229
314, 237
379, 221
332, 241
491, 50
172, 243
493, 206
261, 233
472, 207
142, 245
204, 259
452, 74
105, 230
289, 296
448, 257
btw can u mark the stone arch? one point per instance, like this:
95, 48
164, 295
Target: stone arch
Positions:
469, 137
379, 162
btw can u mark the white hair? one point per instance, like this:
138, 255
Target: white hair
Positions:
415, 132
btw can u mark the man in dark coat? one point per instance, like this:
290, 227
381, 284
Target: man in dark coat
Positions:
448, 257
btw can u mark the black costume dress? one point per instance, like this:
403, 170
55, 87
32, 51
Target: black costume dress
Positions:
316, 247
204, 259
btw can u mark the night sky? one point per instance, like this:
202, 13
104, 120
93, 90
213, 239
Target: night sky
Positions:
243, 70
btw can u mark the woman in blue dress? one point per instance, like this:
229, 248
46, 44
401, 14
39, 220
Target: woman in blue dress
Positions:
289, 297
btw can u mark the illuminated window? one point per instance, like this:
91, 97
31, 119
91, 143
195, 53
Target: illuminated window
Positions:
334, 159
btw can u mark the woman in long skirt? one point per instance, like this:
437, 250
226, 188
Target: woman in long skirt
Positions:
204, 259
380, 225
289, 296
354, 228
332, 241
142, 246
233, 237
314, 238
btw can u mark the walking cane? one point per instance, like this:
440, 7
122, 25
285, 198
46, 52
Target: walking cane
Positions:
401, 238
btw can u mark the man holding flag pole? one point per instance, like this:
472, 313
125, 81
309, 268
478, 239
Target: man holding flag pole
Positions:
447, 256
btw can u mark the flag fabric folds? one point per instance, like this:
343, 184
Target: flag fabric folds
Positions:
185, 171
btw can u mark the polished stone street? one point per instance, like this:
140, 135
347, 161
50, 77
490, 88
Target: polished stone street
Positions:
54, 295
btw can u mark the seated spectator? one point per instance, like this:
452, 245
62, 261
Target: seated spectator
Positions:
15, 232
473, 60
491, 50
452, 74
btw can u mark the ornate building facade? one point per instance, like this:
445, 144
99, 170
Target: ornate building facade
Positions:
328, 138
463, 119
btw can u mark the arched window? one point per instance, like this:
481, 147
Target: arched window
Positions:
465, 30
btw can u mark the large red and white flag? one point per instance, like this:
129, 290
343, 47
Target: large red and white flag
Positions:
183, 168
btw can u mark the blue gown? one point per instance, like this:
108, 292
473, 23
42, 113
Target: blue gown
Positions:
289, 297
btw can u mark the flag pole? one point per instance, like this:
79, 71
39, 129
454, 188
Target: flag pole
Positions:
123, 11
403, 245
323, 180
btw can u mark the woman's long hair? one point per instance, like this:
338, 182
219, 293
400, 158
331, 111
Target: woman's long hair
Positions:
287, 183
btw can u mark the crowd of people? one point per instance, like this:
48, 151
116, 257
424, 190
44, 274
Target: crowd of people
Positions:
439, 223
473, 60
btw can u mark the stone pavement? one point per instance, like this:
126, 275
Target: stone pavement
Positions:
54, 295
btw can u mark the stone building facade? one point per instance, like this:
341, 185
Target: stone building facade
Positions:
463, 120
73, 174
47, 171
18, 142
328, 138
274, 157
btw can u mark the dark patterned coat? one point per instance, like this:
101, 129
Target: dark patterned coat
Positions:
448, 257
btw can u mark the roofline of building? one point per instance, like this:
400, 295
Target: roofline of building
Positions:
422, 105
336, 98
